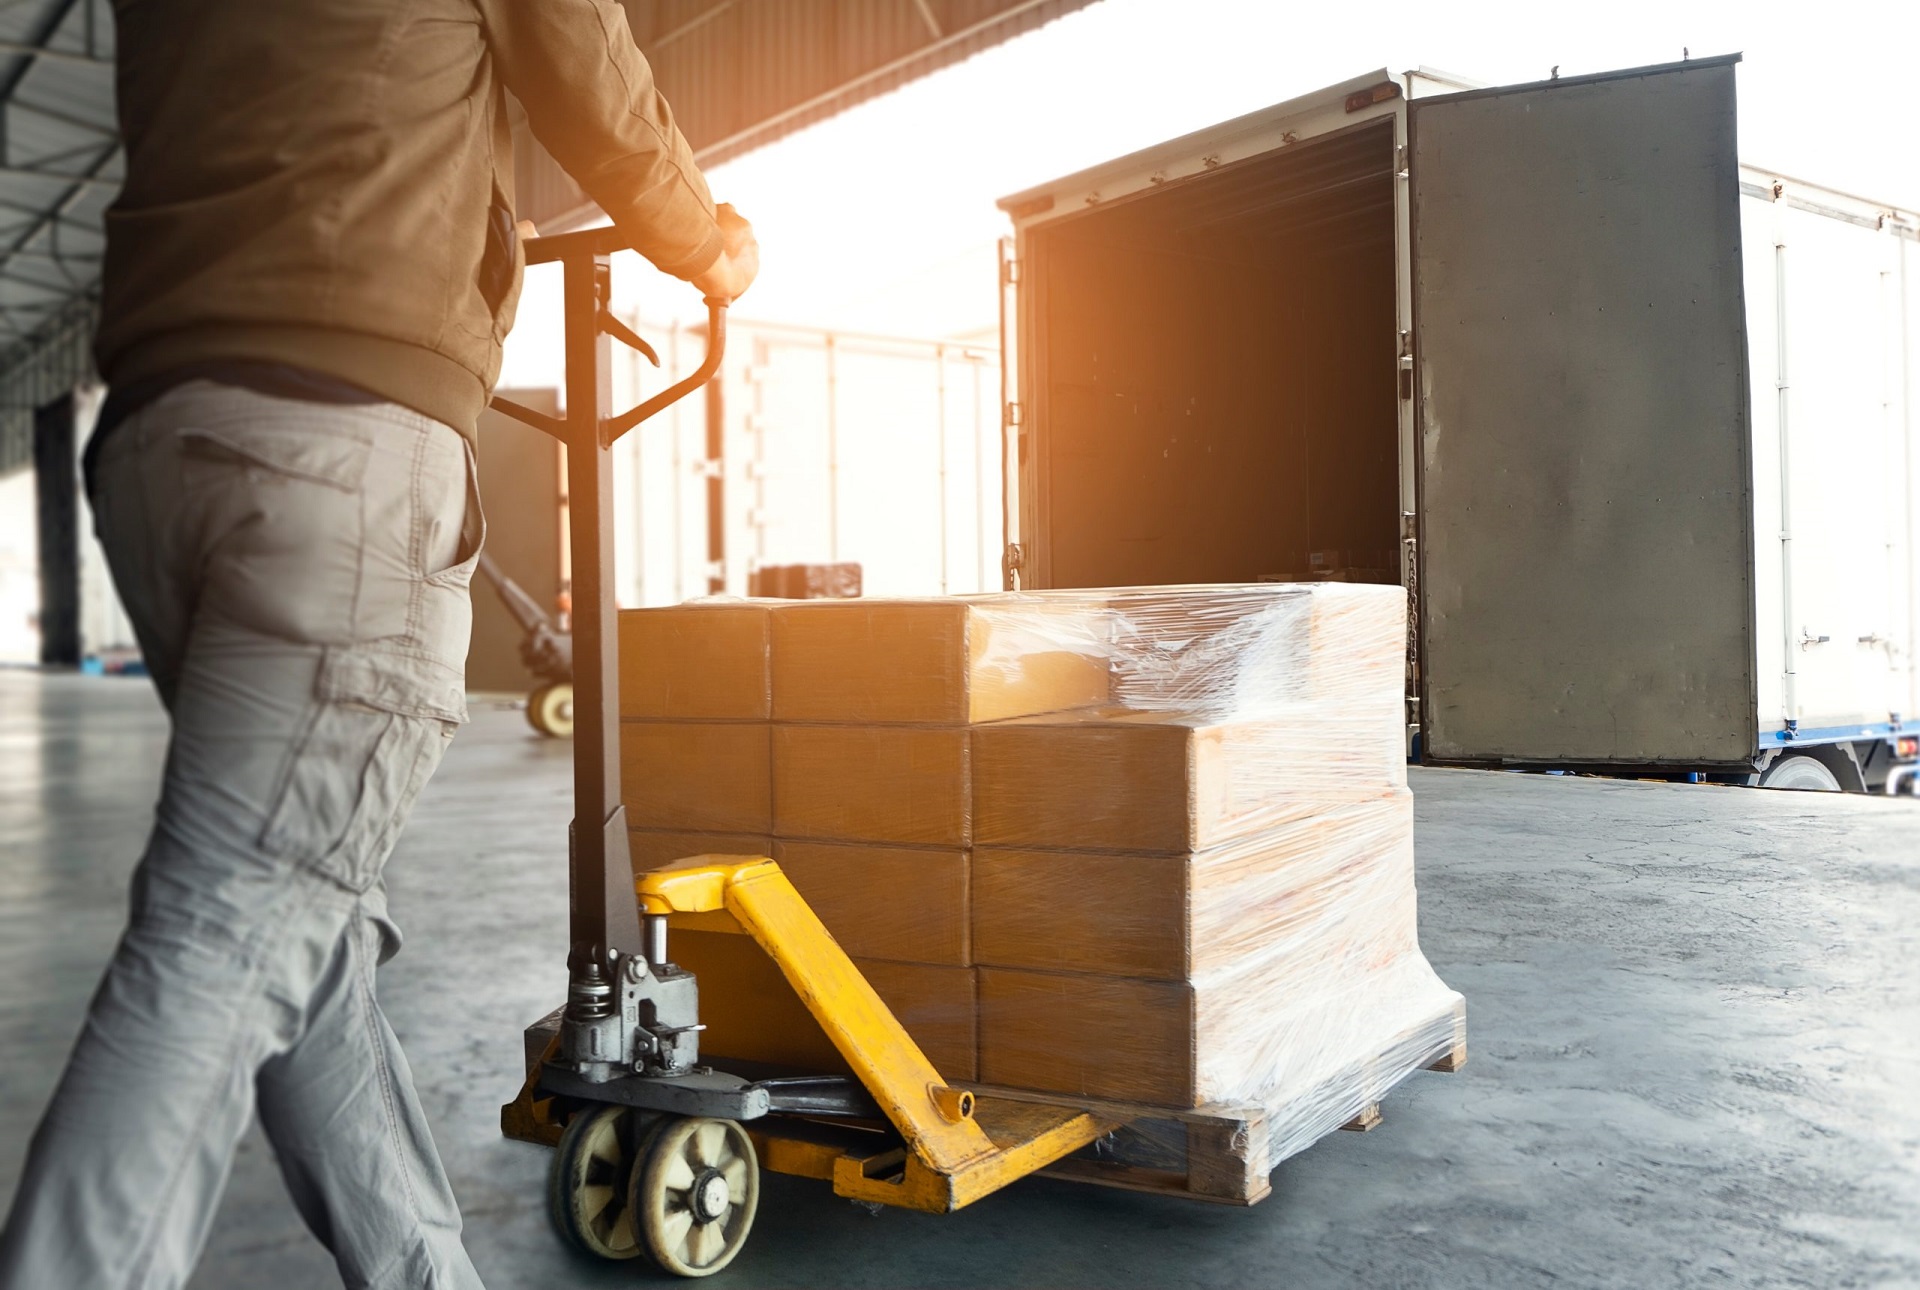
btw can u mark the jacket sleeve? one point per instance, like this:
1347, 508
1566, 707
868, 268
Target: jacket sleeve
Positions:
590, 97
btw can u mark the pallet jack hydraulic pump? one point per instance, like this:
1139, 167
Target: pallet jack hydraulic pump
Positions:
659, 1149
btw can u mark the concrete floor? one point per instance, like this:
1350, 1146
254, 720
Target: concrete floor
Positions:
1694, 1017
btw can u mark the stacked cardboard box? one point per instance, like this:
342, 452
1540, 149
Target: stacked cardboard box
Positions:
1205, 892
1148, 845
846, 756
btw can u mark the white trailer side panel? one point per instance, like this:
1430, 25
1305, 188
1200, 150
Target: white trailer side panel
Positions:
832, 447
1833, 356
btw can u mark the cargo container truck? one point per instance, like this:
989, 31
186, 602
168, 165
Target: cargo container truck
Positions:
1631, 421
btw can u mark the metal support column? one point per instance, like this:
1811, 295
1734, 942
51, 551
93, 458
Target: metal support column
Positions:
57, 494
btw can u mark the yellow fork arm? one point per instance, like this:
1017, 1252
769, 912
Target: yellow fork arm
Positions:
952, 1158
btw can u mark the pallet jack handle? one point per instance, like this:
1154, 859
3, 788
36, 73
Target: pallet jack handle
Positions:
604, 922
596, 244
948, 1158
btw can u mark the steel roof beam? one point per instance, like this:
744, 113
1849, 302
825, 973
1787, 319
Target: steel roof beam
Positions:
85, 178
33, 51
73, 257
64, 118
35, 212
73, 194
34, 45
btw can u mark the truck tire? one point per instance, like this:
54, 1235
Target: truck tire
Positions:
1800, 771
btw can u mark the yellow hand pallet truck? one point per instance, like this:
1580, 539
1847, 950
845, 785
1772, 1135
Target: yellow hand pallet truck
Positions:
659, 1151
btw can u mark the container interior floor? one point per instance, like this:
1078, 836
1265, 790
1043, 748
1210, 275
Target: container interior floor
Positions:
1220, 376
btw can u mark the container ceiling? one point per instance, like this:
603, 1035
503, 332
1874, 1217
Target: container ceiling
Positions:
739, 73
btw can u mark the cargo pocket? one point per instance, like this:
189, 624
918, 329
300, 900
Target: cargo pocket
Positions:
380, 727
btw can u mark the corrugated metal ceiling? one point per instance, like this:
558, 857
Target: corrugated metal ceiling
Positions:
59, 155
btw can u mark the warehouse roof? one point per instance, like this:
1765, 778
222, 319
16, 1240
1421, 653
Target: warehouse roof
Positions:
59, 157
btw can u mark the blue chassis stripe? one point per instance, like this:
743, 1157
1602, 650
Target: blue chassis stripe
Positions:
1838, 734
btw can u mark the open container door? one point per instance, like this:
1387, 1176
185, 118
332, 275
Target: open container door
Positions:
1586, 521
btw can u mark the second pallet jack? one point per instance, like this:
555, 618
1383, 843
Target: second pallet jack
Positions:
546, 650
660, 1150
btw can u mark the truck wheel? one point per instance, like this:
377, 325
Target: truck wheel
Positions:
1800, 771
550, 710
695, 1193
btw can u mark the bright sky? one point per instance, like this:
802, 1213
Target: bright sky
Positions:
883, 219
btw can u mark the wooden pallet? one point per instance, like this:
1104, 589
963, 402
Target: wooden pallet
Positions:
1220, 1154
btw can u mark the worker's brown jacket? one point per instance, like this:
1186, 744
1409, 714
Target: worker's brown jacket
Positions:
329, 183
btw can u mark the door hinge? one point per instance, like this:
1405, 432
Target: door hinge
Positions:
1012, 415
1009, 272
1013, 558
1400, 161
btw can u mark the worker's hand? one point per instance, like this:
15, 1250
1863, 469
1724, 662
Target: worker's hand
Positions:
739, 262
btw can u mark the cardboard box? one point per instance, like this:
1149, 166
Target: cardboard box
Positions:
1298, 897
1119, 915
909, 904
937, 1006
654, 848
1117, 780
705, 777
1297, 962
1089, 1036
906, 785
701, 661
1237, 1039
937, 662
751, 1013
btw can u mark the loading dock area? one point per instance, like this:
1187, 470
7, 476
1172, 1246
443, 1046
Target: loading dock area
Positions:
1696, 1016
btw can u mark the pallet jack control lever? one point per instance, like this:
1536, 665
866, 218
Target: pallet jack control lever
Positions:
604, 926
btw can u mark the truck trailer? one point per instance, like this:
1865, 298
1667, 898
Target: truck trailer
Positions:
1632, 422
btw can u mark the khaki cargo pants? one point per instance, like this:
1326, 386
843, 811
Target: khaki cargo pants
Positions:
298, 575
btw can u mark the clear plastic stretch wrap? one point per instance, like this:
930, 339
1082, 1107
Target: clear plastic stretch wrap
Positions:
1141, 845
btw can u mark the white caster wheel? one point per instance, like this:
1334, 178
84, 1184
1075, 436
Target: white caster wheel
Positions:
550, 710
695, 1194
587, 1187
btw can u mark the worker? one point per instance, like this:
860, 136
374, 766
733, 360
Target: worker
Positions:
309, 272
